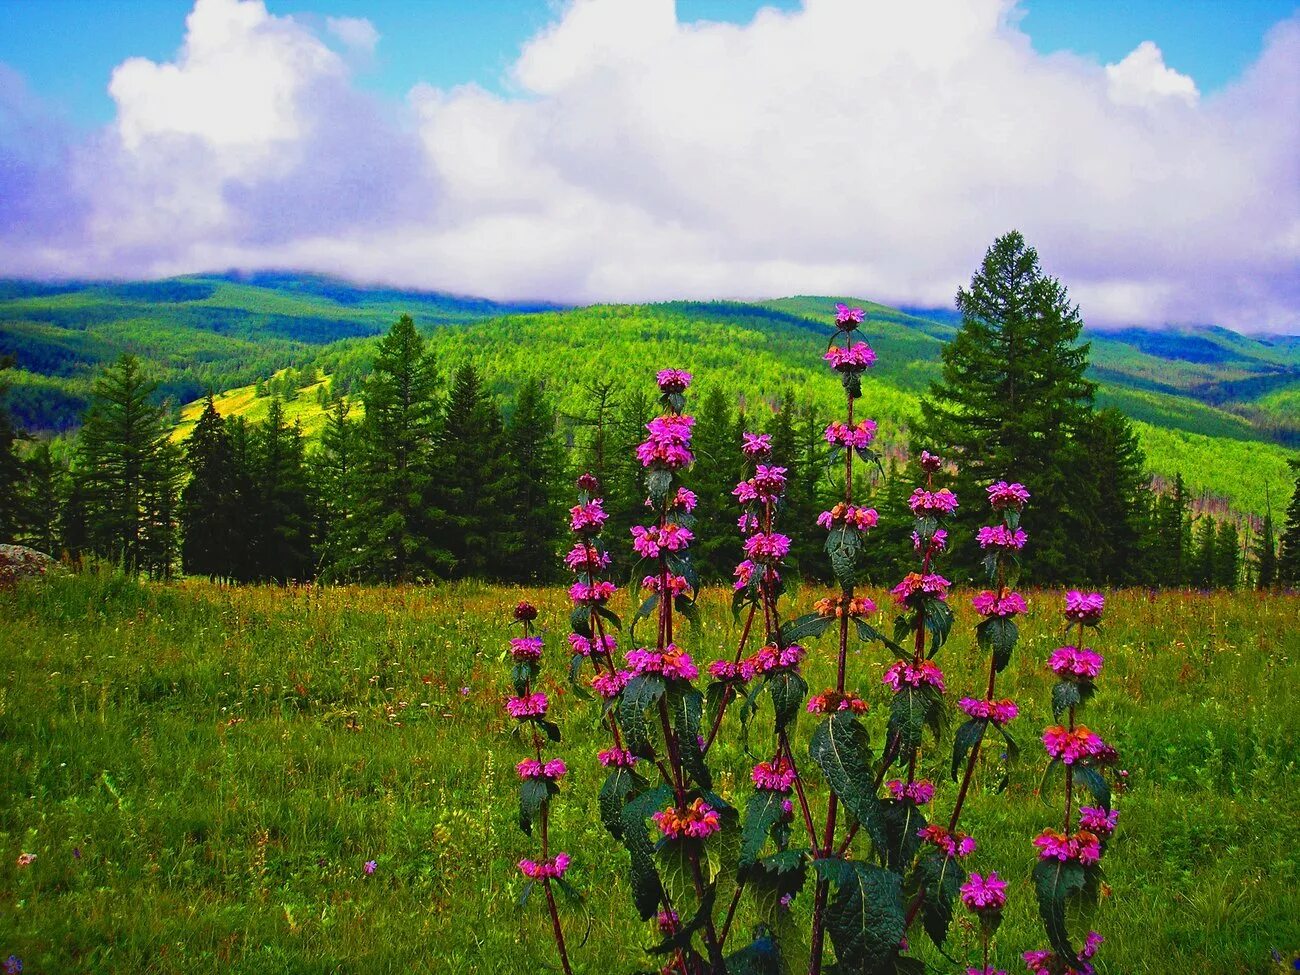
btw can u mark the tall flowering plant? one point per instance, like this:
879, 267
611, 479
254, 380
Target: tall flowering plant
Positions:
1069, 861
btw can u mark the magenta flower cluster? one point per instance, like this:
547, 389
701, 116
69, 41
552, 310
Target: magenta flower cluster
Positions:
547, 869
532, 768
1000, 536
984, 894
673, 380
904, 673
1076, 663
999, 712
1004, 605
855, 358
671, 662
932, 504
859, 436
919, 792
1084, 607
528, 706
776, 776
848, 318
1003, 496
669, 445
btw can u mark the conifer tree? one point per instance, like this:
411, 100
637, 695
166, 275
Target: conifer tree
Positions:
286, 502
207, 515
11, 467
243, 559
713, 477
44, 497
471, 481
399, 437
1227, 556
595, 423
1265, 553
1012, 402
625, 494
530, 504
1203, 566
1288, 560
1112, 510
335, 465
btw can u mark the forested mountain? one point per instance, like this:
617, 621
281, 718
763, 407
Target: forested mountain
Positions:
1220, 408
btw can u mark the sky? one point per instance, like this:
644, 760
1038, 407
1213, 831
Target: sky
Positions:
596, 150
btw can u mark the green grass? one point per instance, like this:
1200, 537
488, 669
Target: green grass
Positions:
226, 759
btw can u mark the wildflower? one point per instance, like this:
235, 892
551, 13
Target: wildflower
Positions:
698, 820
670, 537
1084, 607
583, 646
588, 483
592, 593
937, 542
853, 359
842, 435
918, 792
547, 868
1076, 662
767, 546
747, 523
582, 558
525, 612
673, 380
616, 758
986, 970
1070, 746
13, 965
768, 482
834, 606
847, 318
999, 712
724, 670
1000, 536
528, 706
668, 922
1096, 820
370, 867
903, 672
526, 648
756, 444
930, 463
668, 445
915, 587
589, 518
1004, 604
981, 894
531, 768
26, 860
744, 573
1083, 846
1003, 495
774, 777
684, 500
677, 585
829, 702
610, 683
931, 504
672, 662
464, 692
842, 514
953, 843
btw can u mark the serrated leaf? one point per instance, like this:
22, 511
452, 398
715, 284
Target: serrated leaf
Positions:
842, 545
842, 750
902, 821
580, 621
865, 919
522, 673
808, 625
533, 793
647, 892
609, 617
938, 620
1055, 881
643, 612
1067, 694
968, 736
1095, 783
549, 728
685, 710
787, 690
760, 957
621, 786
1000, 635
642, 692
762, 812
658, 483
940, 878
908, 712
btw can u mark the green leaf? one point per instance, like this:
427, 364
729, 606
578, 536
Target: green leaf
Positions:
940, 878
1054, 882
621, 786
580, 621
842, 545
642, 692
681, 938
686, 607
938, 620
787, 690
902, 821
609, 617
762, 812
550, 728
647, 892
522, 673
1095, 783
643, 612
1067, 694
685, 709
810, 624
968, 736
533, 793
999, 635
908, 713
869, 634
842, 750
658, 483
865, 919
759, 957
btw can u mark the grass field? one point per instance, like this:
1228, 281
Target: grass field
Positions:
202, 773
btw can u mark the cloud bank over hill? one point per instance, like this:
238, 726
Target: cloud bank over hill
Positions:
853, 146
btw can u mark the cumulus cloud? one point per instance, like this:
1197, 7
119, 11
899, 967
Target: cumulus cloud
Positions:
357, 33
851, 146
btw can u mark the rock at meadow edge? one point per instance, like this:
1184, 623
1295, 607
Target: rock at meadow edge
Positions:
20, 562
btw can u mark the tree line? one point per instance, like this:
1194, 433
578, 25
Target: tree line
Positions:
434, 478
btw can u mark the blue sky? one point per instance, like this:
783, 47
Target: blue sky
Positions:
66, 49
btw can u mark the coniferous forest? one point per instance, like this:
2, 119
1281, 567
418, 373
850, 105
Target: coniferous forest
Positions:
435, 476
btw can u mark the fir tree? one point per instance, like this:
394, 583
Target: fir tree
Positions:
336, 479
1012, 403
1203, 566
243, 560
472, 479
595, 424
1288, 560
1265, 554
44, 497
716, 471
207, 515
625, 494
1113, 509
534, 485
399, 436
11, 467
285, 499
1227, 556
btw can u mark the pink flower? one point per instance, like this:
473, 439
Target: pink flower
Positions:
25, 860
1003, 495
930, 463
593, 593
1000, 536
588, 518
676, 584
768, 482
1046, 963
862, 519
1006, 605
588, 483
954, 844
778, 777
528, 706
583, 646
668, 445
999, 712
1084, 607
673, 380
1097, 820
918, 792
698, 820
1083, 846
846, 316
1076, 662
853, 359
610, 684
842, 435
672, 662
1070, 746
584, 559
931, 504
684, 500
747, 523
830, 702
767, 547
531, 768
616, 758
525, 612
937, 543
744, 573
369, 867
546, 869
916, 587
982, 894
986, 970
756, 444
903, 673
668, 922
526, 648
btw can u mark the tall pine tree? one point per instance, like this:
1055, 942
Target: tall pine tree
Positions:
11, 467
1288, 560
472, 480
207, 511
286, 504
533, 487
336, 466
44, 497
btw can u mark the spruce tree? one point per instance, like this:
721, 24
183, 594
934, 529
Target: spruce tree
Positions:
128, 472
716, 471
335, 466
595, 423
471, 481
286, 501
1012, 403
400, 528
1113, 509
1288, 560
43, 500
1227, 556
535, 483
625, 494
243, 558
1203, 565
206, 509
1265, 554
11, 467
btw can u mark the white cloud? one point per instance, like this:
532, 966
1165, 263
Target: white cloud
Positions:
357, 33
853, 146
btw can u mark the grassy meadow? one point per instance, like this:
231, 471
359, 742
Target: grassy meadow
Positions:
202, 773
